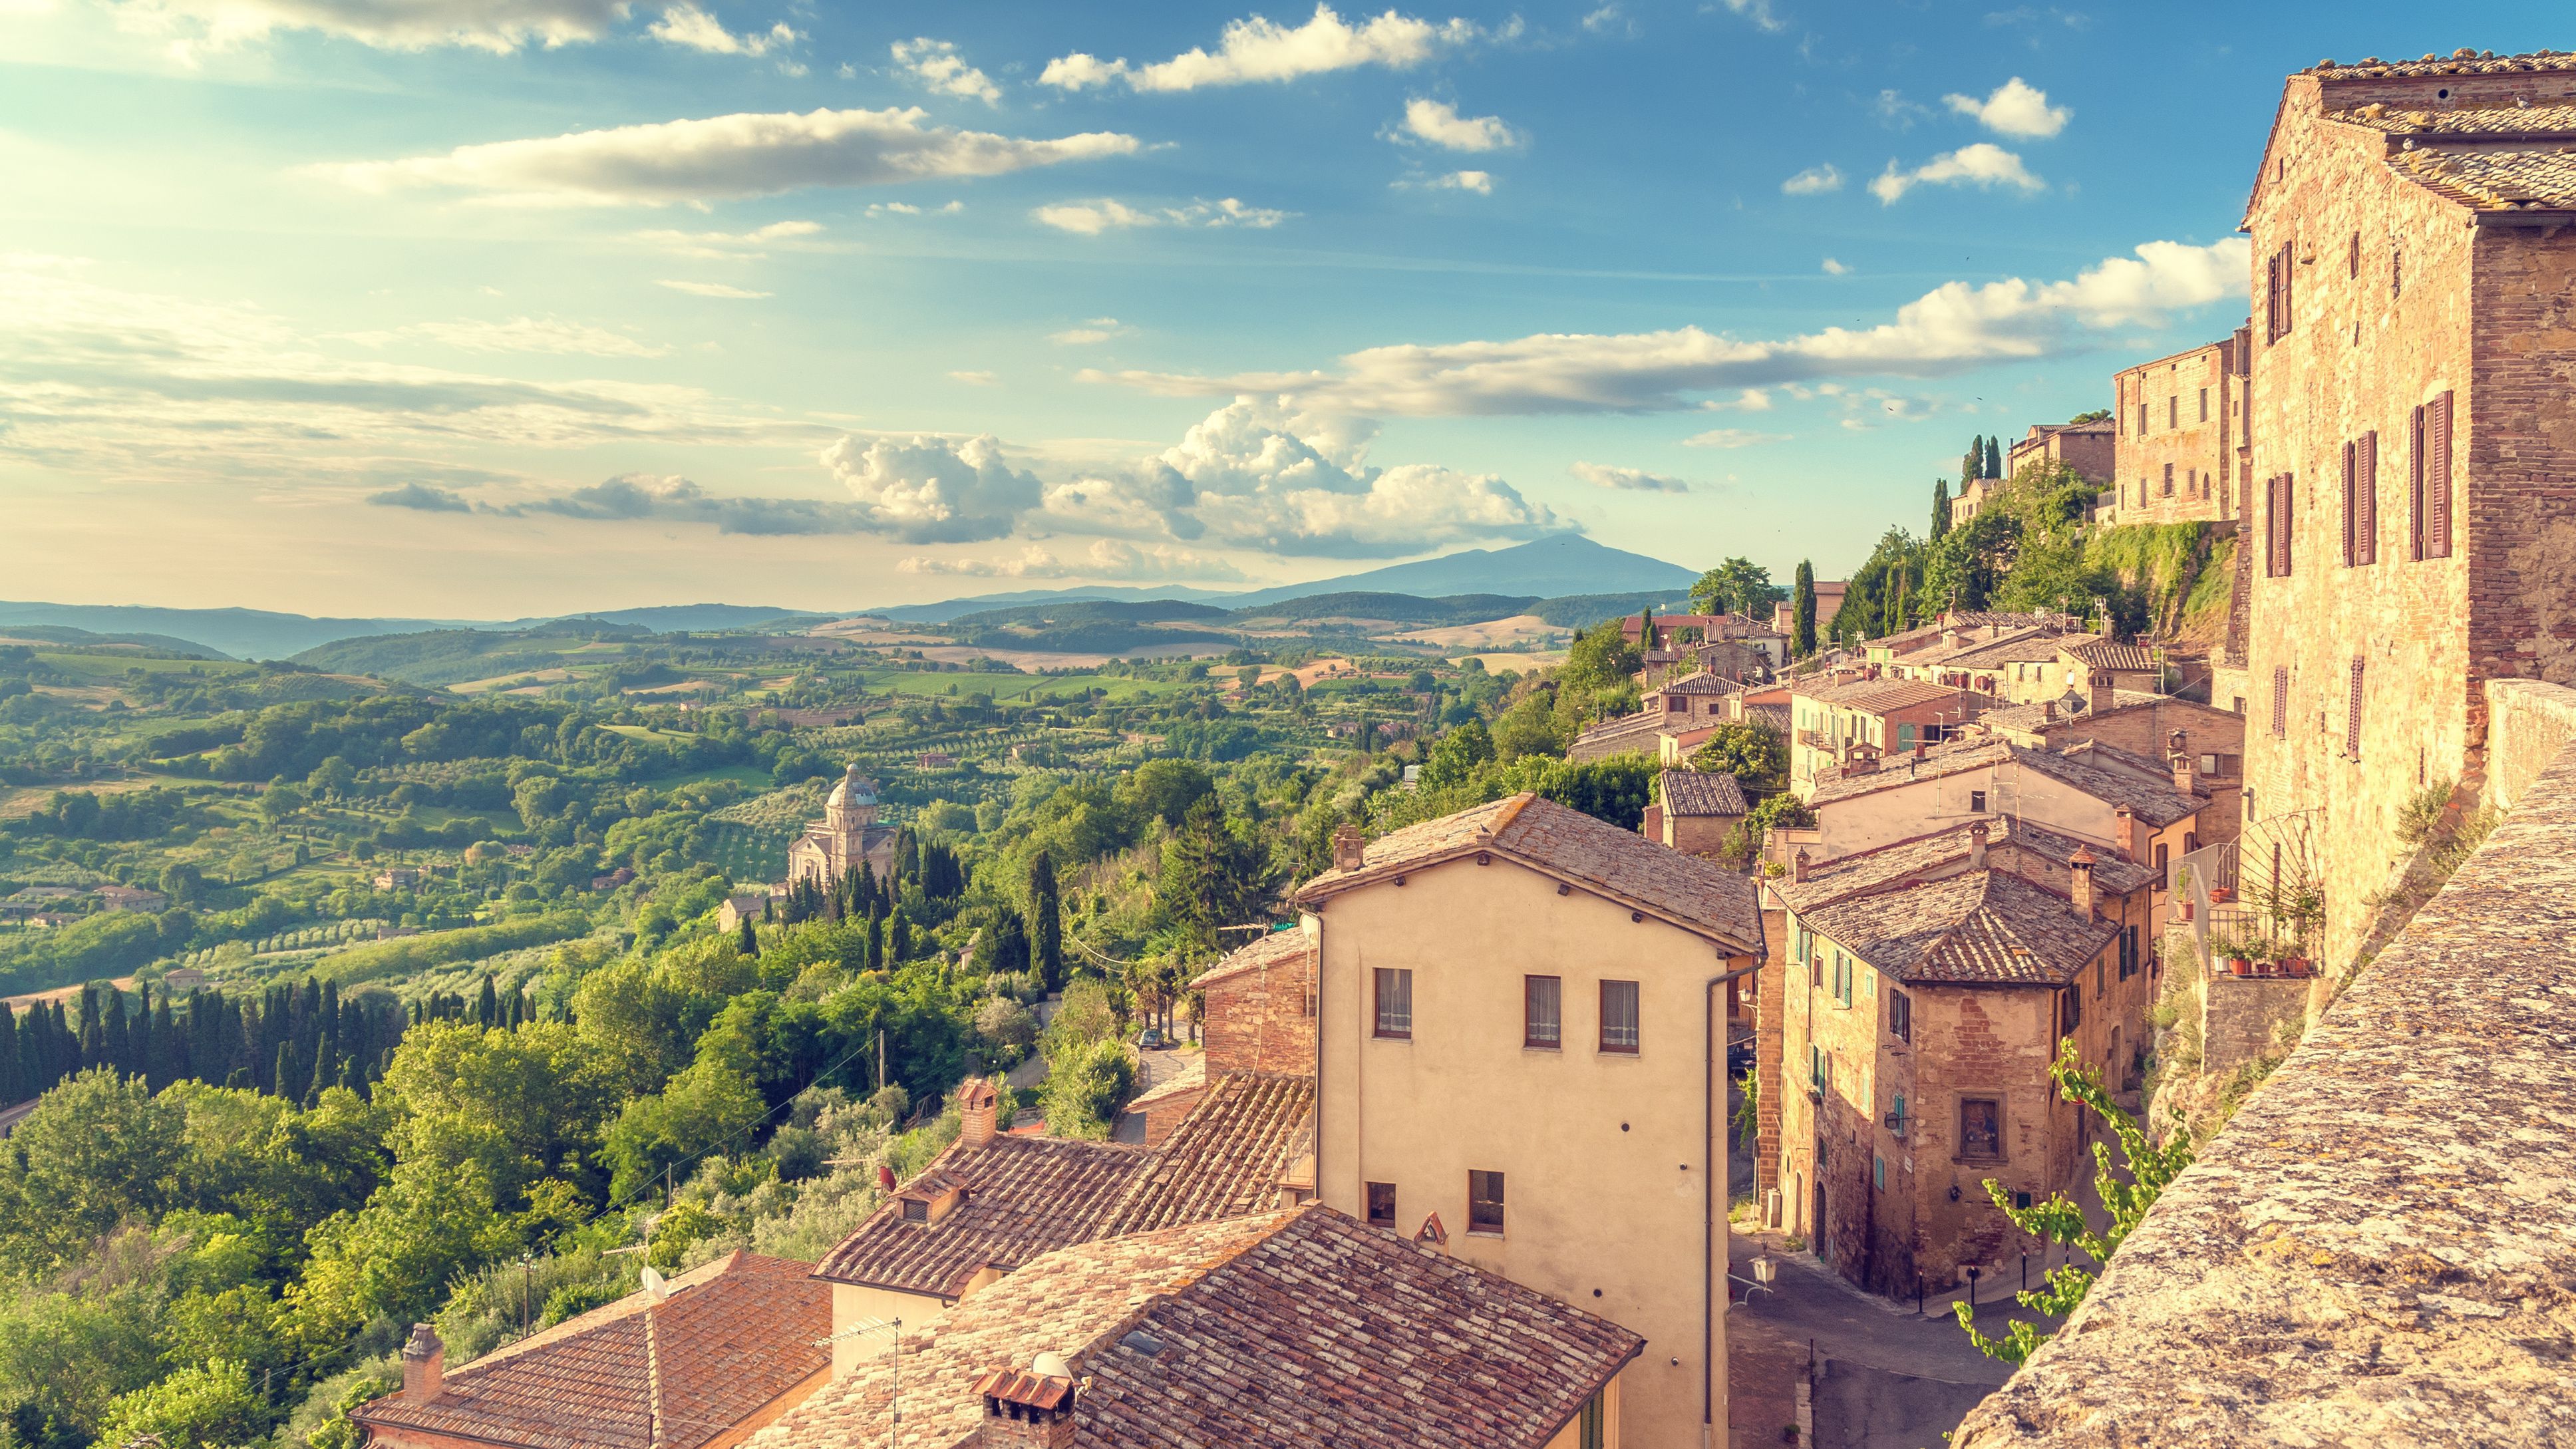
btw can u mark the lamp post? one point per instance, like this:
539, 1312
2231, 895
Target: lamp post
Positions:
1972, 1290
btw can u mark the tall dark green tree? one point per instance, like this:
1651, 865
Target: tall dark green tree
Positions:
1994, 457
1802, 612
1212, 876
747, 941
1972, 464
1940, 506
1046, 921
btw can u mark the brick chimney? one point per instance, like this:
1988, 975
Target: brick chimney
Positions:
1798, 866
2184, 778
1977, 846
977, 1107
2081, 865
2098, 692
1350, 848
1028, 1410
2048, 710
424, 1361
2127, 829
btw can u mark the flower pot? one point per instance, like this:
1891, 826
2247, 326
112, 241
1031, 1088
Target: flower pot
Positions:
2239, 966
2220, 895
2186, 910
2295, 966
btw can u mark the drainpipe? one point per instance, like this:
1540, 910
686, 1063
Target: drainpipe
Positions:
1709, 1244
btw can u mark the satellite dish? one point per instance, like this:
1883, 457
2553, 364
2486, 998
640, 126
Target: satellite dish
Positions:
656, 1284
1051, 1365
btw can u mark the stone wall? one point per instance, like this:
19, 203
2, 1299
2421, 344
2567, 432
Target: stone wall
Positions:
1262, 1021
2378, 1249
2240, 1015
2170, 459
2527, 723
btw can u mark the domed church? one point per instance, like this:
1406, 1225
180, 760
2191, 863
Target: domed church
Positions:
847, 834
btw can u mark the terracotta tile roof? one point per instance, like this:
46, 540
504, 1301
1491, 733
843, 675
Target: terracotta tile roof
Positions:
1617, 736
1691, 792
1984, 926
1025, 1196
1226, 1157
1688, 892
2458, 62
1776, 717
731, 1337
1949, 758
1876, 696
2159, 804
1701, 683
2124, 658
2486, 122
2115, 779
2029, 646
2533, 178
1294, 1330
1924, 856
1279, 948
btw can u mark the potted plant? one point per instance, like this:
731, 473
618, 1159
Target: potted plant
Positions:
2240, 950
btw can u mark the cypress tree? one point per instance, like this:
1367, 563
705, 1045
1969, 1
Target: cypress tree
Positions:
1940, 507
1046, 921
898, 939
1995, 457
487, 1005
749, 942
62, 1055
169, 1059
13, 1086
1802, 610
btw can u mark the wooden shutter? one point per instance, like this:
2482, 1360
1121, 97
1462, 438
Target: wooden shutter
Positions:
2289, 279
2366, 493
2272, 298
2279, 515
2351, 511
2437, 477
2280, 702
2417, 536
2352, 713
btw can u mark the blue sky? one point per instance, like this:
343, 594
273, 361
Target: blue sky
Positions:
490, 307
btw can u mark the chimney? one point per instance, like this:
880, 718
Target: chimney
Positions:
424, 1361
2184, 778
977, 1107
1031, 1409
2097, 692
2048, 710
1977, 846
2081, 864
1350, 848
1798, 866
2127, 829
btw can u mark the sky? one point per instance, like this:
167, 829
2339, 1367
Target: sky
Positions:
491, 308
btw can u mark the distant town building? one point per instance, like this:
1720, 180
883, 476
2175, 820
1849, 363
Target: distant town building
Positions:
397, 878
2089, 450
1971, 499
183, 979
130, 898
2181, 444
1829, 600
847, 835
934, 760
1839, 724
613, 879
740, 907
1694, 812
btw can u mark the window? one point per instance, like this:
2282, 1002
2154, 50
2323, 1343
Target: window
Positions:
2354, 264
2098, 978
2169, 480
1900, 1023
2351, 504
1896, 1116
1820, 1069
1976, 802
2429, 478
915, 1210
2276, 525
1618, 1016
2204, 404
2214, 765
1591, 1431
1485, 1203
1542, 1012
2161, 848
1395, 1003
2352, 713
2070, 1010
2277, 282
2396, 272
1981, 1133
1842, 978
1878, 1172
2173, 415
1381, 1204
2280, 702
2142, 420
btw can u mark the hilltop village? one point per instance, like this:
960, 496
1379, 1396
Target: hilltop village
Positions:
1472, 1092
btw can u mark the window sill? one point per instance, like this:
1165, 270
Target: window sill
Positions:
1493, 1233
1616, 1051
1392, 1036
1542, 1046
1978, 1161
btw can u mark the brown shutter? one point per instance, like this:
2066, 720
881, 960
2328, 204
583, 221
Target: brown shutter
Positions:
2352, 713
2272, 298
2419, 537
2366, 492
2351, 511
2280, 701
2289, 281
2437, 480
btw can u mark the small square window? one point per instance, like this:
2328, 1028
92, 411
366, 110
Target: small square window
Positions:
1900, 1016
1394, 1003
1619, 1016
1976, 802
1542, 1012
1381, 1204
915, 1210
1485, 1203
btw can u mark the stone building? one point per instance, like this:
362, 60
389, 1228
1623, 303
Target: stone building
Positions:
1523, 1054
1973, 496
2181, 437
1694, 811
2414, 270
2086, 449
847, 835
1834, 725
1260, 1007
1922, 993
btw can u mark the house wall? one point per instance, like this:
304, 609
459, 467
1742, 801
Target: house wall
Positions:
2484, 313
1571, 1436
1258, 1021
852, 1304
2185, 436
1607, 1157
1697, 834
2091, 452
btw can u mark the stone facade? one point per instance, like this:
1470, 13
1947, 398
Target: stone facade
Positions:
2379, 294
2090, 450
847, 836
2181, 427
1260, 1009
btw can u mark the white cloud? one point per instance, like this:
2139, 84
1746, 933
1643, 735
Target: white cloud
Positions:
1107, 558
906, 208
688, 26
725, 246
1439, 123
1629, 480
1098, 329
1896, 112
520, 334
1751, 400
934, 490
1835, 269
1479, 182
1953, 328
973, 378
727, 156
713, 289
499, 26
2016, 108
1091, 218
938, 66
1732, 438
1259, 49
1609, 19
1984, 165
1814, 181
1757, 11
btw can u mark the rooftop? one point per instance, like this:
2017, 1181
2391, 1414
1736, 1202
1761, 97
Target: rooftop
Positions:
1869, 871
1225, 1159
2459, 62
1282, 1331
1024, 1196
2548, 120
1683, 890
2534, 178
1700, 683
1874, 696
1689, 793
2153, 800
1279, 948
730, 1337
1981, 927
2122, 658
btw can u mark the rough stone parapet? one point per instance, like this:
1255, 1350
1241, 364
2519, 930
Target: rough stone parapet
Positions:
2381, 1247
2241, 1016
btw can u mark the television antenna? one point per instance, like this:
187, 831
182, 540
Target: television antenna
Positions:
893, 1329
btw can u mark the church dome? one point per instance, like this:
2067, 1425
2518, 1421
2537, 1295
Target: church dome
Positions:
854, 789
